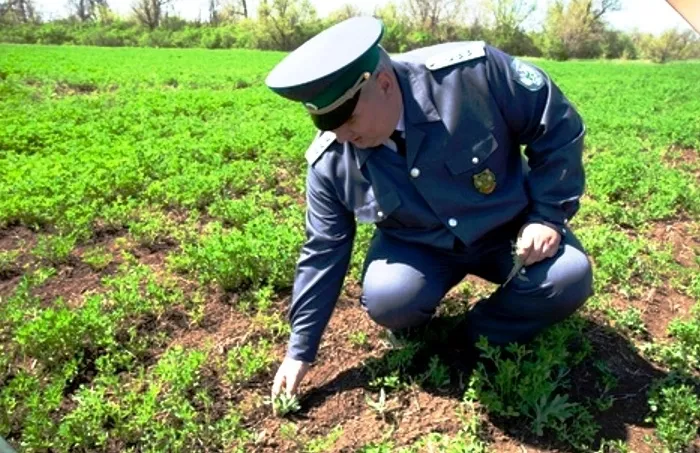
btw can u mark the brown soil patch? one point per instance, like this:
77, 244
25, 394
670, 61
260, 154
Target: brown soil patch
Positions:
71, 283
8, 287
18, 237
683, 237
71, 89
334, 391
685, 158
21, 240
658, 306
222, 328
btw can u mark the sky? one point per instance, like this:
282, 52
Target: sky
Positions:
651, 16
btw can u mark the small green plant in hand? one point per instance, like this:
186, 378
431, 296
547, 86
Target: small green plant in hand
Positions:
284, 404
518, 263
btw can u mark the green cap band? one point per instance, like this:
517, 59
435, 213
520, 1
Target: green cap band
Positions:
350, 77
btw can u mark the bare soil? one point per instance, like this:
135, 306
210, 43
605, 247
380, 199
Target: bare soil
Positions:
337, 386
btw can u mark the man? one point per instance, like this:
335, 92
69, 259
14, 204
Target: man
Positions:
426, 145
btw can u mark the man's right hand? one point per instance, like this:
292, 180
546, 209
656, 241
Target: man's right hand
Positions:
289, 376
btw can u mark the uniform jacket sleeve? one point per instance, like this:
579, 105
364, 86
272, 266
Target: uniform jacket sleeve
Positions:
324, 260
541, 118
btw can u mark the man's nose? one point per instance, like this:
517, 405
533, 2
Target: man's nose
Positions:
343, 134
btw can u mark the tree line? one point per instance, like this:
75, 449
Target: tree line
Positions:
570, 28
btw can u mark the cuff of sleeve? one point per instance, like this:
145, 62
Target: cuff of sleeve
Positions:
552, 218
302, 347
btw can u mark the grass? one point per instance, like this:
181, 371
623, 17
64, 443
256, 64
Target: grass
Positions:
177, 178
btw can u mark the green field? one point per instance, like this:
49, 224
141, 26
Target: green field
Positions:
151, 214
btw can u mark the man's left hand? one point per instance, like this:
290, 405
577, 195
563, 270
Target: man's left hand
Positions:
536, 242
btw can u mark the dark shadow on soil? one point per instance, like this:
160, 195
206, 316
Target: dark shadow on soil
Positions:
633, 373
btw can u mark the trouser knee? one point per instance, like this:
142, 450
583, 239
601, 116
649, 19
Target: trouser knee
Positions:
393, 312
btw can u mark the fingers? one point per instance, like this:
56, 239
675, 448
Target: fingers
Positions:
524, 248
292, 383
537, 252
536, 243
289, 376
278, 382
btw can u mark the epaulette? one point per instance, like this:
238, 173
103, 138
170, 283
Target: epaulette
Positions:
319, 146
469, 51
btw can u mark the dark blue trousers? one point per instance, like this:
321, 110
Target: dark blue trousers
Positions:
403, 284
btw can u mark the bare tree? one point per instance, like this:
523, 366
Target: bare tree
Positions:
150, 12
287, 23
18, 11
346, 11
430, 13
86, 10
598, 9
510, 14
213, 12
234, 10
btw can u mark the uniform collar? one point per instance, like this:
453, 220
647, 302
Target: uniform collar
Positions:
418, 106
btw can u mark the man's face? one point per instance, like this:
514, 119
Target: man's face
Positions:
375, 116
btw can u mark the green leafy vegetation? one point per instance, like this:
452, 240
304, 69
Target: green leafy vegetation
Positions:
151, 215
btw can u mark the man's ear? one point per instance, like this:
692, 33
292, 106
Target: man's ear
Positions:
385, 83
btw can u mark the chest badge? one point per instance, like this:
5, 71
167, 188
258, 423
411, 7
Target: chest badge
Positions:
485, 181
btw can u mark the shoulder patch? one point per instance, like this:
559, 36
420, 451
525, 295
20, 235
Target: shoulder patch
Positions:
319, 146
469, 51
526, 75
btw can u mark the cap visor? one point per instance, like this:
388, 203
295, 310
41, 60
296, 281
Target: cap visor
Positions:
336, 118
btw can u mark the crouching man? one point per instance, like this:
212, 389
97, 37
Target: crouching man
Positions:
426, 145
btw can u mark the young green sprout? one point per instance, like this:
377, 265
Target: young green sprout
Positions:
517, 263
283, 404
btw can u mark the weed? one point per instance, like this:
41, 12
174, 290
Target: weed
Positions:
613, 446
283, 404
381, 407
606, 384
388, 370
530, 381
358, 338
675, 411
438, 374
